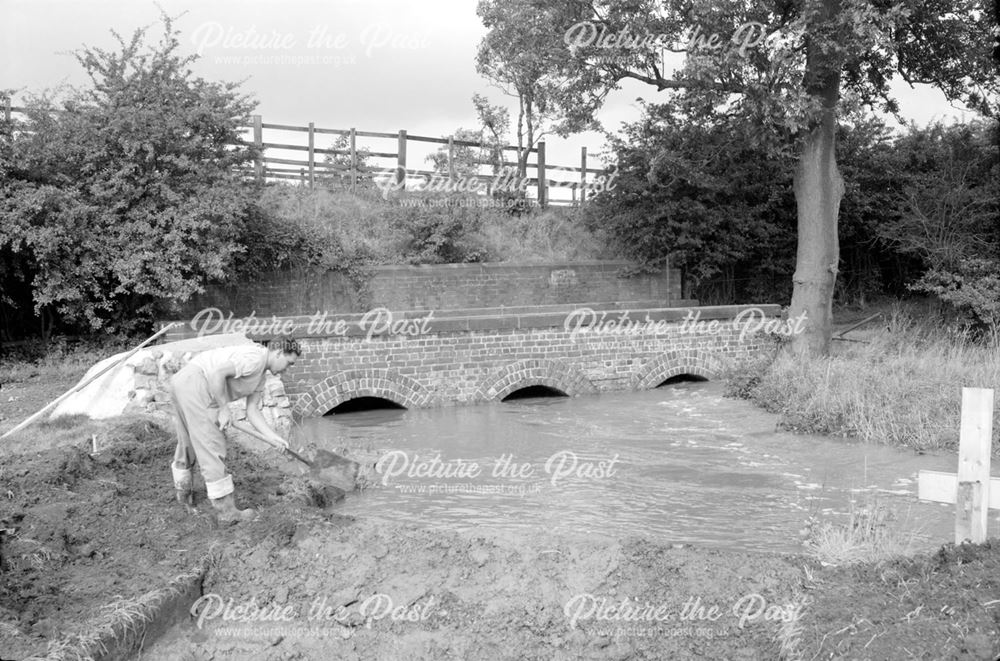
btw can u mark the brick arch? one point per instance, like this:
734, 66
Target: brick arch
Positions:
696, 362
351, 384
561, 376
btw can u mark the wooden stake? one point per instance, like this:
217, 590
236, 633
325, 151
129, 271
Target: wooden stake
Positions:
974, 464
312, 154
543, 183
258, 141
401, 161
354, 161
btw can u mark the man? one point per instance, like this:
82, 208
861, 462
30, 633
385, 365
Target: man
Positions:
201, 393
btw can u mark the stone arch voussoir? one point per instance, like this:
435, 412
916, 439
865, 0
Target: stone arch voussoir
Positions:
696, 362
351, 384
559, 375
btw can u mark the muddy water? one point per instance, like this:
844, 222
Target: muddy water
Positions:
679, 464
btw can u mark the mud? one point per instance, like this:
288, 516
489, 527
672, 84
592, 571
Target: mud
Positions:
82, 528
354, 590
302, 582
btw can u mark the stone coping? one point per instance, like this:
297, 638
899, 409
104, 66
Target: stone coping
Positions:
494, 311
427, 322
604, 264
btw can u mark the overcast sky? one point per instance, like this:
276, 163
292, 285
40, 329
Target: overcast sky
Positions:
376, 65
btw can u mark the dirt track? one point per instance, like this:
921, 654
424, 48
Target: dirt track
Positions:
301, 582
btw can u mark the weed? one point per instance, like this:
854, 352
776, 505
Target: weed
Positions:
866, 536
903, 387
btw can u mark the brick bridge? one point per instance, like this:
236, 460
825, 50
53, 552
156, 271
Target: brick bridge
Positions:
433, 358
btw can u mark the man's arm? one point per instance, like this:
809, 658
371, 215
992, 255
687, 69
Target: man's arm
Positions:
256, 418
217, 382
220, 393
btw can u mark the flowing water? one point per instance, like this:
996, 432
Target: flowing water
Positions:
679, 464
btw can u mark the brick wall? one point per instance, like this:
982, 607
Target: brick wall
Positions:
451, 365
440, 287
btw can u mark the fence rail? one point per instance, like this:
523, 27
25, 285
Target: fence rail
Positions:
310, 170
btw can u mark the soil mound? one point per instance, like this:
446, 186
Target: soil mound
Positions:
80, 528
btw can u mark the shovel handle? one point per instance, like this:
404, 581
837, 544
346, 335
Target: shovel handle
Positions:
247, 429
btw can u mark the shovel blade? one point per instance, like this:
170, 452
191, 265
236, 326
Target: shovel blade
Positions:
331, 468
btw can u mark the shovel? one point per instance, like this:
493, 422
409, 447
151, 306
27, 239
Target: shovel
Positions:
328, 466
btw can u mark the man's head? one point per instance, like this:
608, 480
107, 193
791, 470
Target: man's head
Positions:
282, 354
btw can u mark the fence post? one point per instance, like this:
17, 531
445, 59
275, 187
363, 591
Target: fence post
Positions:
258, 141
583, 176
6, 109
354, 161
451, 158
401, 161
312, 154
975, 438
543, 184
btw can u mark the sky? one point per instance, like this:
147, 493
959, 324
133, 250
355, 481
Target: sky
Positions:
375, 65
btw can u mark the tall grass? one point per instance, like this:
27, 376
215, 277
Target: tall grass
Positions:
866, 536
59, 359
413, 228
902, 387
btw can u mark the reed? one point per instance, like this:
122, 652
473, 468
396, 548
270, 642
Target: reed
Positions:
903, 387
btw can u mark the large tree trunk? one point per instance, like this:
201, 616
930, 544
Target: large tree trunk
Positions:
818, 191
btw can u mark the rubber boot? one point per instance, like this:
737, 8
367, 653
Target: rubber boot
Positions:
226, 511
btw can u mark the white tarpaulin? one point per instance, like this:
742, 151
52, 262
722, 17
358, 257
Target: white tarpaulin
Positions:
108, 395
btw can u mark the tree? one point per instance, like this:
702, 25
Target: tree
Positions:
364, 176
128, 193
950, 206
782, 65
472, 148
508, 56
464, 159
704, 195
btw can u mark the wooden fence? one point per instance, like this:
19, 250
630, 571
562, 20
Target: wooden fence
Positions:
313, 166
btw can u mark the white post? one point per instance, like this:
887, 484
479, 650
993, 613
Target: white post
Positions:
974, 465
972, 489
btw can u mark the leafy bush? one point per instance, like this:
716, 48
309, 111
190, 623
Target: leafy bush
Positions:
948, 216
123, 197
972, 288
294, 227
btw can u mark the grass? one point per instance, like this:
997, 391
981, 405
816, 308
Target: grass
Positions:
71, 430
58, 360
789, 634
866, 536
123, 620
420, 227
900, 385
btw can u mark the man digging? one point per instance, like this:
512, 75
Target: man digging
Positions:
201, 393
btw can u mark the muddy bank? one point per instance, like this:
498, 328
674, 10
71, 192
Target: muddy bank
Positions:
83, 528
302, 582
358, 591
